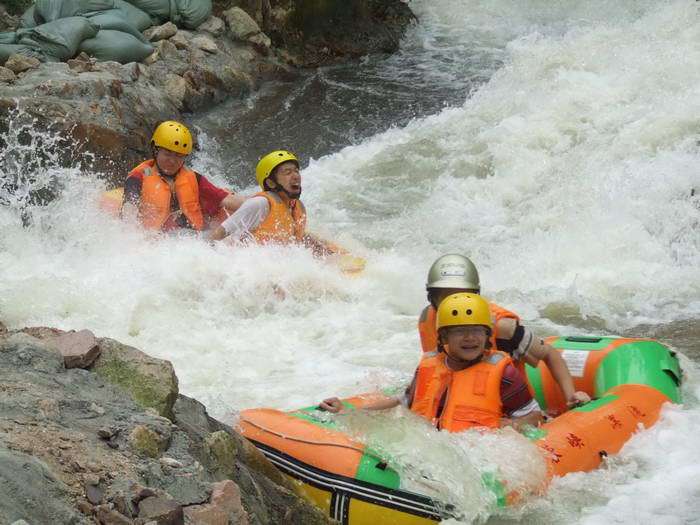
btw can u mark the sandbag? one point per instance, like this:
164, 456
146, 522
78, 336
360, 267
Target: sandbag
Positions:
6, 50
50, 10
59, 39
8, 38
114, 20
27, 20
192, 13
135, 16
158, 9
117, 46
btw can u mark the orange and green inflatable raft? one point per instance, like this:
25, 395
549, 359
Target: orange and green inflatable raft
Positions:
628, 379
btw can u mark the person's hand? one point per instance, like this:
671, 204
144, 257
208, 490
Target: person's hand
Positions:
332, 404
505, 422
578, 398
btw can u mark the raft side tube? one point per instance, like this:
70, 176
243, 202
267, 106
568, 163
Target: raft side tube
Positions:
635, 361
579, 439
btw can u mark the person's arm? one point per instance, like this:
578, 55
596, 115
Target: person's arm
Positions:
246, 219
560, 371
212, 197
533, 418
379, 402
132, 197
521, 343
519, 407
318, 246
232, 202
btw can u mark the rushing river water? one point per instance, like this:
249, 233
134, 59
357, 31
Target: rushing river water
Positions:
555, 143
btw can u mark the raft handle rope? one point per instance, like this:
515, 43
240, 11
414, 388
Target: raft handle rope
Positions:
381, 460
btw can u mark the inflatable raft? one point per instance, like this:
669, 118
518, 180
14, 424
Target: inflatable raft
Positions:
628, 379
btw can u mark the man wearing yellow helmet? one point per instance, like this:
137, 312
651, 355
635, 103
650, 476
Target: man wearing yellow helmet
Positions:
454, 273
163, 194
463, 384
274, 214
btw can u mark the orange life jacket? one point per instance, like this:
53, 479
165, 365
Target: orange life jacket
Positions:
428, 331
472, 396
285, 223
154, 208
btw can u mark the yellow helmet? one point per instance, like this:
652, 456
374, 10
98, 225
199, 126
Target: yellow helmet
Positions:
269, 162
173, 136
461, 309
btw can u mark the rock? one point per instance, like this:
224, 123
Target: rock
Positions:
93, 493
167, 50
107, 516
7, 75
49, 409
205, 44
170, 462
82, 63
3, 328
30, 491
261, 41
150, 382
181, 40
106, 433
79, 349
20, 63
226, 496
175, 88
213, 25
43, 332
164, 511
205, 515
156, 33
85, 507
241, 25
139, 492
91, 479
147, 442
220, 449
8, 22
152, 58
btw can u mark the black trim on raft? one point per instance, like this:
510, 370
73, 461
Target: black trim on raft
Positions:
342, 489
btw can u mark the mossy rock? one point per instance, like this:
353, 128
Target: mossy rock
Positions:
147, 442
150, 382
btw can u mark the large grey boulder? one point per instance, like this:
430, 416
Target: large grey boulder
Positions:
151, 382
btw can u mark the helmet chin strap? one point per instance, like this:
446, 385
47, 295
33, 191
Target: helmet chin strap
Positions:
280, 189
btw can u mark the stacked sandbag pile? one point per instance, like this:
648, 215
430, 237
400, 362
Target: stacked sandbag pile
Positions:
57, 30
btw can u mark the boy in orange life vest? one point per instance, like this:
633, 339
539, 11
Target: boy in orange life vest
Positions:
463, 384
455, 273
163, 194
275, 214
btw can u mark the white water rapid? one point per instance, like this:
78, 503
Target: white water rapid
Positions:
566, 177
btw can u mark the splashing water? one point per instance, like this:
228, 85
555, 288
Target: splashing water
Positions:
562, 164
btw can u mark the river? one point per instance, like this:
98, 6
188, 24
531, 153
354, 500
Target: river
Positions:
554, 143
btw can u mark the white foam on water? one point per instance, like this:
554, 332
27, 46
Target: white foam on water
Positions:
566, 178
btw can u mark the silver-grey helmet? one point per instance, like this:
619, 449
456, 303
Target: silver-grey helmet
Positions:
453, 271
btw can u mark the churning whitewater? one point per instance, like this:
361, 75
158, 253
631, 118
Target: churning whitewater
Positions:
559, 153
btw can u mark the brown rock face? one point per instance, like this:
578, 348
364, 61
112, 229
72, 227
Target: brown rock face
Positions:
79, 349
164, 511
20, 63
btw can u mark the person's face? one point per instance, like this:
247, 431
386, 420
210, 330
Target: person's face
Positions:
465, 343
287, 176
169, 162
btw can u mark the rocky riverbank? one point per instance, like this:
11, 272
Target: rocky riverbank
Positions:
106, 111
94, 431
